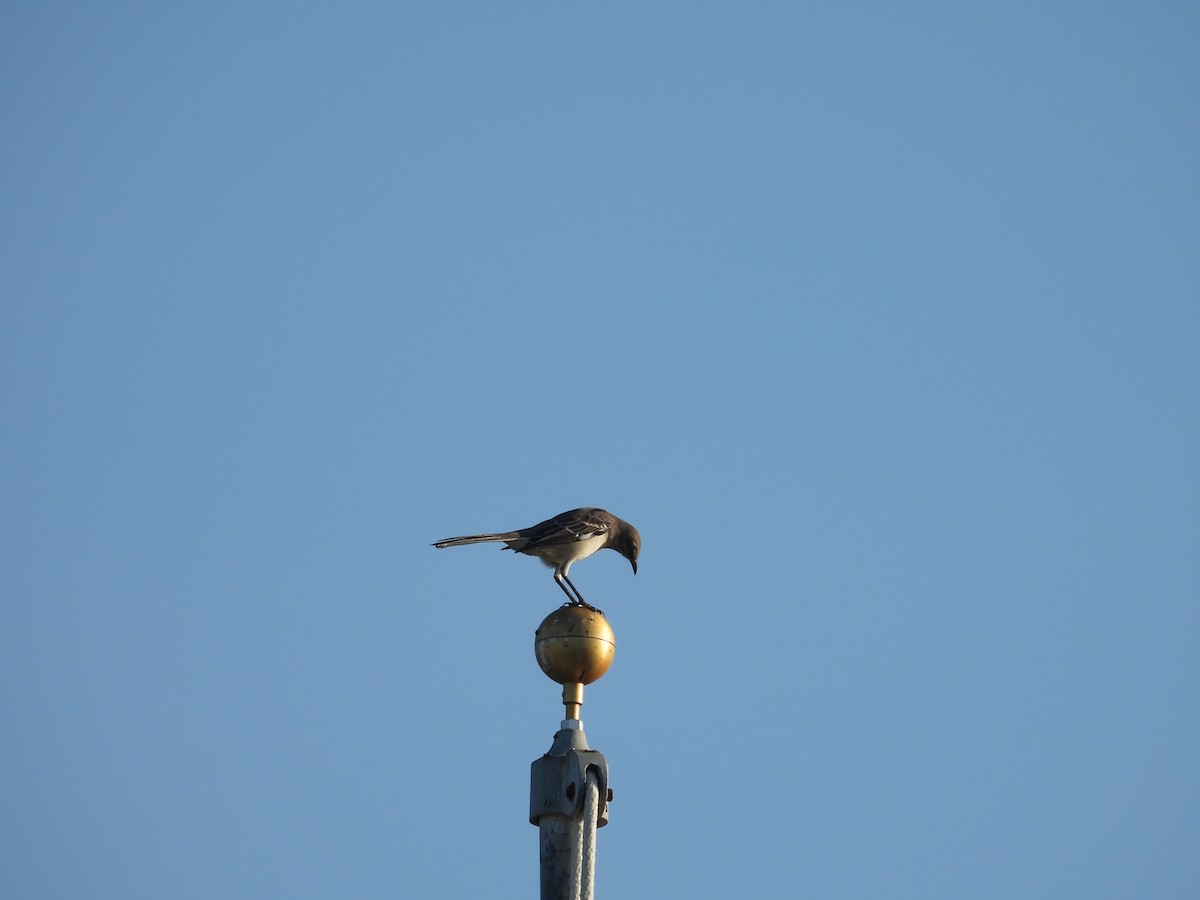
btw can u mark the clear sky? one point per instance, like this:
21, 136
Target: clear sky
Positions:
880, 321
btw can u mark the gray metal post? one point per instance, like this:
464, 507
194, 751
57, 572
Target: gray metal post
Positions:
559, 786
568, 786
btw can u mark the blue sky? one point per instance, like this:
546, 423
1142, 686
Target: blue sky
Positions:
879, 322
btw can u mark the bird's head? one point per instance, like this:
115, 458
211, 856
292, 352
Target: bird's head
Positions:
629, 544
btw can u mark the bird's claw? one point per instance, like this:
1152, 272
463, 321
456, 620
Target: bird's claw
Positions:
582, 604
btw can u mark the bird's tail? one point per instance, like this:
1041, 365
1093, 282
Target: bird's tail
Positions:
476, 539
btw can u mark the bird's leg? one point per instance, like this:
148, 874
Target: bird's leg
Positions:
559, 579
580, 601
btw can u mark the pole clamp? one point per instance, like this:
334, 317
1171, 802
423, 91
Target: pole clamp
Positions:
556, 785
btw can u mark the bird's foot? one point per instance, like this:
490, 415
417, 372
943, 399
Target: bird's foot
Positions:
583, 604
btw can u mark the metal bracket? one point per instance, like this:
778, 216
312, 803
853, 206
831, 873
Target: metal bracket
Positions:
557, 782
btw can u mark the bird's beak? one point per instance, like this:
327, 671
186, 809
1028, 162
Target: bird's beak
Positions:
633, 562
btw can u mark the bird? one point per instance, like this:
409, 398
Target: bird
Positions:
565, 539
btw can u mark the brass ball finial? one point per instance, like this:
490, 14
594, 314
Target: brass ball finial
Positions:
574, 646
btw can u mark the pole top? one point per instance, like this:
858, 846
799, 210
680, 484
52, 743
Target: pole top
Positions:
574, 644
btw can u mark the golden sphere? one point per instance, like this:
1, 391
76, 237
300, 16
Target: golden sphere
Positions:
574, 645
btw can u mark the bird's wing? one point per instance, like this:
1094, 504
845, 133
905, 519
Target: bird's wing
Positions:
569, 527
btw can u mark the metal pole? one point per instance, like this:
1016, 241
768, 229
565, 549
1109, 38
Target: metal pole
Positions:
568, 801
568, 786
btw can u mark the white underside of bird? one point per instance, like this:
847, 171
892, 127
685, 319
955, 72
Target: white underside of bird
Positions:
560, 557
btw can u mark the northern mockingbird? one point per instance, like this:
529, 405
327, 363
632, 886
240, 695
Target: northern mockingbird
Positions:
565, 539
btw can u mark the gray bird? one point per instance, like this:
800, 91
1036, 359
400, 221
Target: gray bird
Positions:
565, 539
